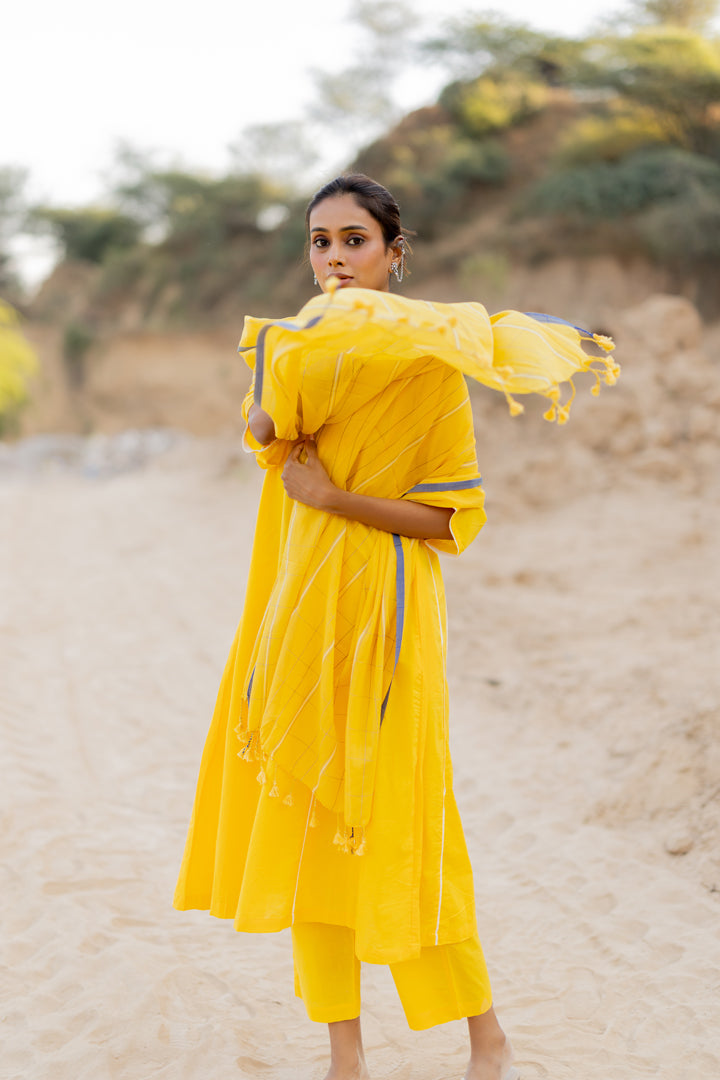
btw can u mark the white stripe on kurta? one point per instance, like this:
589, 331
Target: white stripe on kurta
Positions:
444, 759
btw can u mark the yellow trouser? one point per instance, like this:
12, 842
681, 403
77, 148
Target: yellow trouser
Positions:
445, 982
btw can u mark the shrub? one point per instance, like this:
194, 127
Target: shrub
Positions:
77, 340
470, 162
610, 190
487, 105
17, 364
684, 229
667, 69
610, 135
432, 169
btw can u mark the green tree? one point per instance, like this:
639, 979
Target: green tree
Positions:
666, 69
282, 152
492, 45
87, 234
690, 14
363, 92
668, 76
131, 185
178, 207
198, 210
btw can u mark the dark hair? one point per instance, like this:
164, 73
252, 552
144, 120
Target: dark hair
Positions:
372, 196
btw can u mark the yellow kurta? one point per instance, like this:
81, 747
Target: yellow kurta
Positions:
330, 733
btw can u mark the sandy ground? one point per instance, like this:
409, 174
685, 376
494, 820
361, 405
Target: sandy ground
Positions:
585, 696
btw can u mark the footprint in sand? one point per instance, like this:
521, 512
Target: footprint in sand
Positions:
53, 1039
180, 1036
254, 1065
95, 944
582, 999
598, 901
60, 888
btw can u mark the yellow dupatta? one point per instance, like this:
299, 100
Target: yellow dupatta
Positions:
351, 365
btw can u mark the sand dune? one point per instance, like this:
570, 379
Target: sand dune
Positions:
585, 713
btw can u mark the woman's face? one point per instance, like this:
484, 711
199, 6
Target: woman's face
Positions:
346, 242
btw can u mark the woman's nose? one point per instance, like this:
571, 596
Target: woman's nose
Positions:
334, 256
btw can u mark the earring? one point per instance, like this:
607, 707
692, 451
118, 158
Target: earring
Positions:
315, 280
398, 271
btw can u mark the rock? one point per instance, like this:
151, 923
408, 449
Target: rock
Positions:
92, 456
679, 841
665, 324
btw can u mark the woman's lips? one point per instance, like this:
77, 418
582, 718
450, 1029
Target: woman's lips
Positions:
342, 279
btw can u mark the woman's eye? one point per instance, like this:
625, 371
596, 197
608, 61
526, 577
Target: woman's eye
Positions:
319, 241
356, 240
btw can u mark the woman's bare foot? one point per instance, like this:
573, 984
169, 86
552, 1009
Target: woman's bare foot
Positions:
347, 1057
359, 1072
490, 1050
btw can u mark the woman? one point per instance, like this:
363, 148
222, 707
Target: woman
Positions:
329, 738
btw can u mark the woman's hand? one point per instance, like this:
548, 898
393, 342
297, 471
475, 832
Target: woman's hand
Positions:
307, 481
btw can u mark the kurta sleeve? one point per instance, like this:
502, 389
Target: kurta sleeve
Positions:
270, 454
250, 443
445, 472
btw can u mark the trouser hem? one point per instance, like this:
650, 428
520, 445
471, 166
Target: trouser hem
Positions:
333, 1014
444, 1016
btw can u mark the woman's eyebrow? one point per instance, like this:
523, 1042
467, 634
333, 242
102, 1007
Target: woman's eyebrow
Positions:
345, 228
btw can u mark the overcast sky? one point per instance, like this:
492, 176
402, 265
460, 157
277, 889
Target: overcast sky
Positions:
77, 76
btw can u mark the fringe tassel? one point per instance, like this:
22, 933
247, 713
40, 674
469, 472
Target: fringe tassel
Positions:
515, 407
250, 744
339, 840
612, 374
604, 342
604, 368
351, 841
250, 751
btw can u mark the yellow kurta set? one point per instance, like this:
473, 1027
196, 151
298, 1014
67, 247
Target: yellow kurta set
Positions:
330, 734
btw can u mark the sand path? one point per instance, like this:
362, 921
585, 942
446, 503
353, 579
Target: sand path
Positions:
570, 673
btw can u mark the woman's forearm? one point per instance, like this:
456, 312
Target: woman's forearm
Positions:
308, 482
261, 425
392, 515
